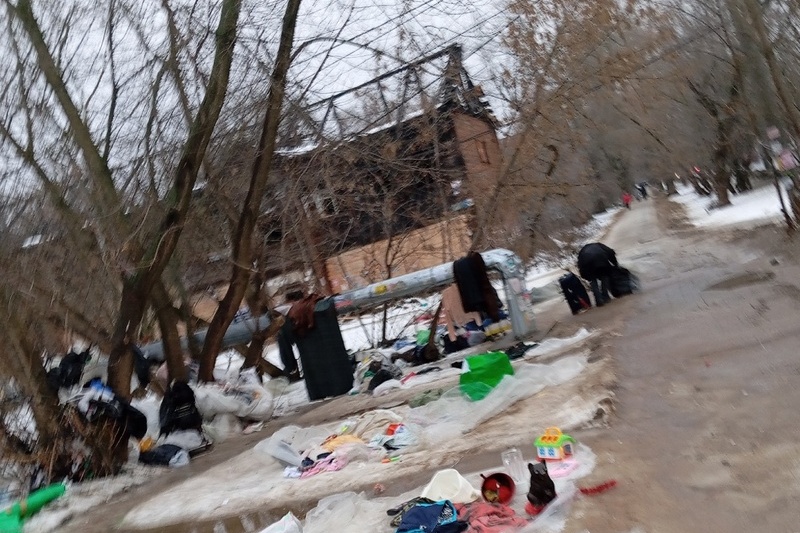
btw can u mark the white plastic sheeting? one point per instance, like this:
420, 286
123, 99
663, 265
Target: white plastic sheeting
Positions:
554, 345
288, 524
347, 511
294, 438
245, 399
453, 415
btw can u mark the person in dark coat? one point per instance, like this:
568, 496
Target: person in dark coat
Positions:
595, 263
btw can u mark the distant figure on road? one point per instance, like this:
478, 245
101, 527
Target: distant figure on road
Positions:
642, 188
595, 262
627, 199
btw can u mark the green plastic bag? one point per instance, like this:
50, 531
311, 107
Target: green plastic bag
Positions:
485, 372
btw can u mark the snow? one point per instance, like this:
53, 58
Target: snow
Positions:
753, 208
81, 497
35, 240
253, 480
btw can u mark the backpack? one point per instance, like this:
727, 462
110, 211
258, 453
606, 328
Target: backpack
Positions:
178, 409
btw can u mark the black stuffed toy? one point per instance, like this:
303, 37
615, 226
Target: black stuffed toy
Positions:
542, 490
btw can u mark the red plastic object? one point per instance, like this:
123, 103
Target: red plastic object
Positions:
392, 429
597, 489
498, 488
533, 510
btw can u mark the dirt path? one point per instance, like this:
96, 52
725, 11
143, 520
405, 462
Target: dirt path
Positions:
706, 436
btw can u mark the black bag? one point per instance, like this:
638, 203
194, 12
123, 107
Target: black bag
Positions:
178, 410
69, 371
160, 456
574, 292
622, 282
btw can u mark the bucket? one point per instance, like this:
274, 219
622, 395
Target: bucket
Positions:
498, 488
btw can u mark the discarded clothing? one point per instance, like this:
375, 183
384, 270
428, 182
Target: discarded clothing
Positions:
165, 455
400, 511
69, 371
477, 293
519, 350
335, 441
302, 314
454, 311
485, 517
371, 423
381, 376
332, 463
438, 517
98, 402
400, 438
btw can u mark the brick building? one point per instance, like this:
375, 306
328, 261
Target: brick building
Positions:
371, 167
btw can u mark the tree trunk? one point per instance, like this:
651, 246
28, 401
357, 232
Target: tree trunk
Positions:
168, 318
755, 11
242, 254
137, 285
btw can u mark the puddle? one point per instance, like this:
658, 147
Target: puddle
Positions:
742, 280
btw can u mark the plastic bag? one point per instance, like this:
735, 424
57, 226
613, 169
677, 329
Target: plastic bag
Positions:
450, 485
289, 442
288, 524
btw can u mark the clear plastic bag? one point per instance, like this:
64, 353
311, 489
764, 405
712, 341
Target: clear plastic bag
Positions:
288, 524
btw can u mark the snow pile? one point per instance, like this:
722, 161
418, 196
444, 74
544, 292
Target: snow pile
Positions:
84, 496
757, 207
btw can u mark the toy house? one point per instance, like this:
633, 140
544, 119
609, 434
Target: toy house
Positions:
554, 445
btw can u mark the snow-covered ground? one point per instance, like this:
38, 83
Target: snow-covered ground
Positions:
253, 479
530, 378
753, 208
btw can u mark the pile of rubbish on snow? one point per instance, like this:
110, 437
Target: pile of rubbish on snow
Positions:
520, 495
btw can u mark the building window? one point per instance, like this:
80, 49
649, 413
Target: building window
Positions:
483, 153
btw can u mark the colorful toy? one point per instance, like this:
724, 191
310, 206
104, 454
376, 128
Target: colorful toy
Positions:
554, 445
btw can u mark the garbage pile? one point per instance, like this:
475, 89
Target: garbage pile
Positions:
519, 496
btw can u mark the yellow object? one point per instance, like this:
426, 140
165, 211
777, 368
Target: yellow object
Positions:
334, 442
145, 444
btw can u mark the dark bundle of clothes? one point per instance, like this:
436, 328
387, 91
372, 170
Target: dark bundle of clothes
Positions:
477, 293
98, 403
327, 369
299, 323
422, 514
69, 371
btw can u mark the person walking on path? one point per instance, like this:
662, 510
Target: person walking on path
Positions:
595, 263
627, 199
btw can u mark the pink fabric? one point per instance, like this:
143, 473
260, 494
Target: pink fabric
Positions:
328, 464
486, 517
